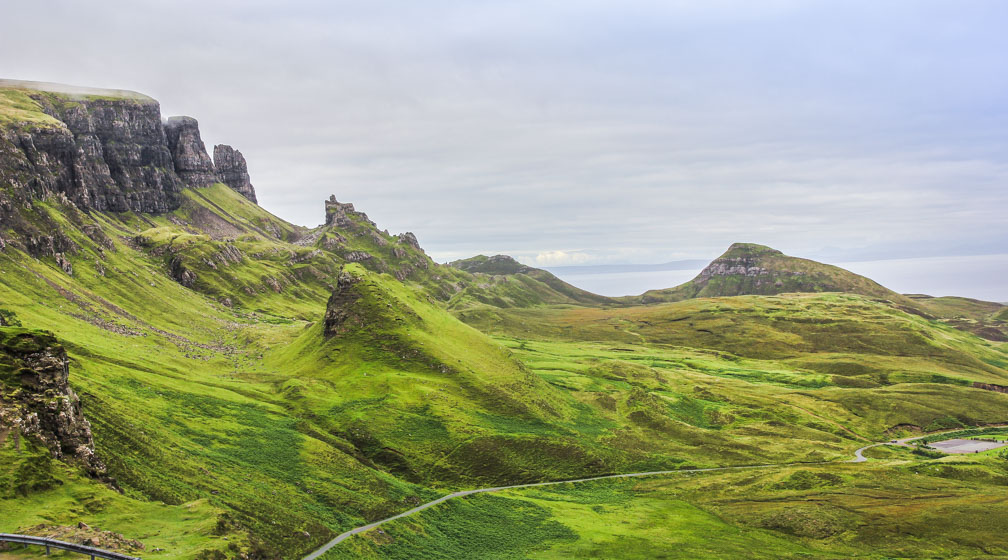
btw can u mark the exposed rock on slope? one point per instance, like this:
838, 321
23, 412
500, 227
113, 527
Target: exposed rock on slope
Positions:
36, 399
233, 170
339, 214
89, 536
340, 314
192, 164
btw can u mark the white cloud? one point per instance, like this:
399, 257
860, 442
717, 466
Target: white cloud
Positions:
559, 258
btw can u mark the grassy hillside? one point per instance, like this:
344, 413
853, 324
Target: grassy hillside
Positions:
502, 281
985, 319
879, 364
183, 404
227, 393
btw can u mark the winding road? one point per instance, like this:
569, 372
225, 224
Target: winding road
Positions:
858, 458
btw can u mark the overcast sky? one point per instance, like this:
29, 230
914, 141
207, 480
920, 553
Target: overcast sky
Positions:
580, 132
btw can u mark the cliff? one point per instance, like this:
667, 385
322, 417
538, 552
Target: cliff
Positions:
104, 150
341, 314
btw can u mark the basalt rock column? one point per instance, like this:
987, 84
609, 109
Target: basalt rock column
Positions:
233, 171
189, 153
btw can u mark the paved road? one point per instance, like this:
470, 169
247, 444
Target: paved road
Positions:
858, 458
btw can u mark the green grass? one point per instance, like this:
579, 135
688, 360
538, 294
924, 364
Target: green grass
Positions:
896, 509
67, 497
18, 109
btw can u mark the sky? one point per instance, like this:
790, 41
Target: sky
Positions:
581, 132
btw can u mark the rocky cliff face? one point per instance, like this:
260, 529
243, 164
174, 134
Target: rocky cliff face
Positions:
104, 154
233, 171
192, 164
103, 150
36, 399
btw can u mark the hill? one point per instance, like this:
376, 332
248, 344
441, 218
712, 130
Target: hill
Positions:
505, 282
750, 269
985, 319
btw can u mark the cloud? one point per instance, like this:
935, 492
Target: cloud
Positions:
558, 258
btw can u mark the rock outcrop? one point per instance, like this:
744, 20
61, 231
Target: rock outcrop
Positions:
341, 214
741, 261
233, 171
88, 536
36, 399
340, 315
192, 164
409, 239
990, 387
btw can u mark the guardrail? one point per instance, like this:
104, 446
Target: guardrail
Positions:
53, 543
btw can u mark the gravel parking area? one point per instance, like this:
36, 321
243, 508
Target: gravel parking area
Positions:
965, 445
